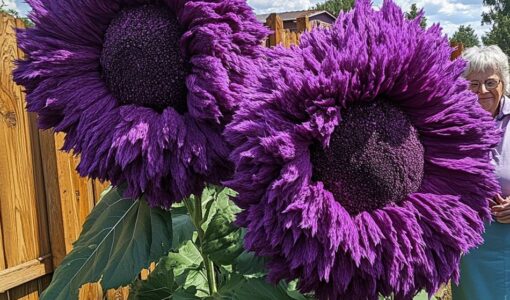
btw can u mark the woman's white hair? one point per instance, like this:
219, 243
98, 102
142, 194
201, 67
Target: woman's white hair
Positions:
481, 59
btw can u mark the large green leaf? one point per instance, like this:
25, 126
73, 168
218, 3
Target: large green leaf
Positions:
182, 227
243, 288
119, 238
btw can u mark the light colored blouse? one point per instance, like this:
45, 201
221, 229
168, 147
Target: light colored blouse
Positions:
501, 154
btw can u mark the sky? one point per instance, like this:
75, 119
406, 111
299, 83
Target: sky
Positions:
449, 13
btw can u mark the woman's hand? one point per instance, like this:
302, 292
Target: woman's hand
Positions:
501, 210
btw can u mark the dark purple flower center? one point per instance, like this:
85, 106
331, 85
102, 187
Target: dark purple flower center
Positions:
142, 61
374, 158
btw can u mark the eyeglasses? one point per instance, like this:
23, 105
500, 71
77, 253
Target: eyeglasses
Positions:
490, 84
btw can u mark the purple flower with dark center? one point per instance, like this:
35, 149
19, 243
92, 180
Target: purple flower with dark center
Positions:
142, 88
368, 172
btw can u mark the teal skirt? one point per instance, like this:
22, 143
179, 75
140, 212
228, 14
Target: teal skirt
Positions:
485, 271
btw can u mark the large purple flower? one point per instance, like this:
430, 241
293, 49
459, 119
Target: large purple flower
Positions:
142, 88
369, 171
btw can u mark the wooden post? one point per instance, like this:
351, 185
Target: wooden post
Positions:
275, 23
303, 24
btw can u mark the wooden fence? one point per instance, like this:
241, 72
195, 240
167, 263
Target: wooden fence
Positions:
284, 36
43, 202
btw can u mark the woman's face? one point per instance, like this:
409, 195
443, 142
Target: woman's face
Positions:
489, 88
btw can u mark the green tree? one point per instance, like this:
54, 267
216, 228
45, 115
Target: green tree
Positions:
465, 35
334, 7
413, 13
498, 16
496, 8
499, 34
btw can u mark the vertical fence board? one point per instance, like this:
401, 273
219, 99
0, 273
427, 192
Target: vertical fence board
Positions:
275, 23
99, 187
76, 194
53, 201
119, 294
91, 291
3, 296
303, 24
44, 245
2, 242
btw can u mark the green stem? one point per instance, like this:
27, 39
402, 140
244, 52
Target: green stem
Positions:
196, 213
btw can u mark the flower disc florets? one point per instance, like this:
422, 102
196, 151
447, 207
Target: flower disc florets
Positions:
142, 88
374, 158
141, 59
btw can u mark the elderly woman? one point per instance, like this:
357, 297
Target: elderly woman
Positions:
485, 271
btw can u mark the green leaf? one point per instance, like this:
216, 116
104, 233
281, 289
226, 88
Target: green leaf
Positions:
159, 285
217, 198
223, 241
177, 276
187, 294
249, 265
182, 227
119, 238
292, 291
255, 289
188, 269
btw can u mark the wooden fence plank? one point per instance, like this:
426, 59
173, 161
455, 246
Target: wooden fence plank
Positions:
44, 245
53, 200
293, 38
118, 294
275, 23
2, 249
287, 37
99, 187
76, 194
44, 282
91, 291
303, 24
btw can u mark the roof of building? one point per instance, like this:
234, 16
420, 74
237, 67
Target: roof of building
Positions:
293, 15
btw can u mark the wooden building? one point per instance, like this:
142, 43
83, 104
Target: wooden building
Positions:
317, 18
